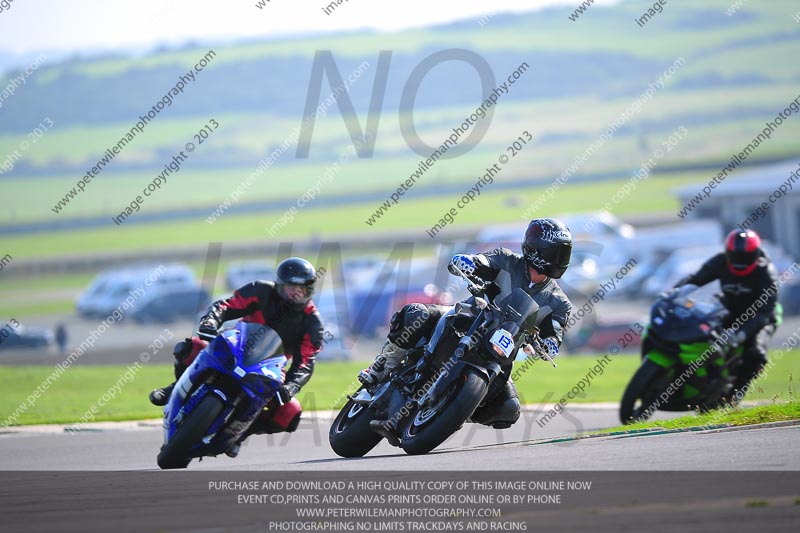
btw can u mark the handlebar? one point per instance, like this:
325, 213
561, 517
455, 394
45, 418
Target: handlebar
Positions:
535, 350
473, 288
478, 290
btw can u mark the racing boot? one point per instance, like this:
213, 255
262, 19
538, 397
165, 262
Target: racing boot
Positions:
273, 419
386, 361
259, 429
159, 397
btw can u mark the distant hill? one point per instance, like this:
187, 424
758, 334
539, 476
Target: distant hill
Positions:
254, 76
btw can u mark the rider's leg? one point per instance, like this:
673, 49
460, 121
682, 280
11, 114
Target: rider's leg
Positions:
754, 358
407, 327
185, 353
501, 409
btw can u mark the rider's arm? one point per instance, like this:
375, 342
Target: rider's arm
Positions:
303, 357
765, 287
244, 301
551, 332
552, 327
707, 273
485, 266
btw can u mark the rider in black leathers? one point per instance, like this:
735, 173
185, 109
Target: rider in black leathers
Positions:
745, 274
546, 251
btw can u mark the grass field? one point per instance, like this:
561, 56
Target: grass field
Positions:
745, 416
81, 387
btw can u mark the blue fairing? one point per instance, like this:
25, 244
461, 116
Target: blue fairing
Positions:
242, 367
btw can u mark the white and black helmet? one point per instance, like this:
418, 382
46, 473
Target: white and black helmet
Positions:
547, 246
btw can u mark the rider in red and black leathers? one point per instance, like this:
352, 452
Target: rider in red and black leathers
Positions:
745, 274
300, 329
284, 305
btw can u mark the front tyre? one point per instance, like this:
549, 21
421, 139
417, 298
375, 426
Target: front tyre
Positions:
350, 435
175, 453
641, 394
432, 425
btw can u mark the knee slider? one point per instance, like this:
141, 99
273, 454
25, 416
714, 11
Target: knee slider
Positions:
294, 423
509, 411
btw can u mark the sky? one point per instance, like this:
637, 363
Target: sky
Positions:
29, 26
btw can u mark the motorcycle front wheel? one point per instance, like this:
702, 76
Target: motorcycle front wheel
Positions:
431, 425
175, 453
350, 435
641, 394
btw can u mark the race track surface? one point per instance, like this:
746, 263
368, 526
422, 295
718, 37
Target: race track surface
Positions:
525, 446
107, 479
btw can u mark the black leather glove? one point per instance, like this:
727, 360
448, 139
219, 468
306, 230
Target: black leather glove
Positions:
182, 349
733, 337
207, 331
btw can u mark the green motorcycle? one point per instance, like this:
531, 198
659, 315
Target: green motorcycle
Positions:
686, 365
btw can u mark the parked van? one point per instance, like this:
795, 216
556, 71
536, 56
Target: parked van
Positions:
240, 274
171, 304
111, 287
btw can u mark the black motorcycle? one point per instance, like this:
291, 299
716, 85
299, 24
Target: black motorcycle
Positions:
440, 383
684, 365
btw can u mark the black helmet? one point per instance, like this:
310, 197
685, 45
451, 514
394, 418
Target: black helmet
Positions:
547, 246
296, 271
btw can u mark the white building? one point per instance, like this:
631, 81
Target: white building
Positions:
765, 199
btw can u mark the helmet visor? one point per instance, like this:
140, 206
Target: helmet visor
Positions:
296, 293
551, 260
741, 259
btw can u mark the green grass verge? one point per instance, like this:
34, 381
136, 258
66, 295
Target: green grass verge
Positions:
78, 389
745, 416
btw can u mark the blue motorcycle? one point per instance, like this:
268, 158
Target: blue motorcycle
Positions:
220, 395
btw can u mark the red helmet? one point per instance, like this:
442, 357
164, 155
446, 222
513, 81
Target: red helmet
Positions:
742, 250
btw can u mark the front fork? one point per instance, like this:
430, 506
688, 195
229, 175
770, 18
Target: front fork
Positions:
490, 370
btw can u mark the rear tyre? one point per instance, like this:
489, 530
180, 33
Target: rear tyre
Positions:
428, 428
641, 393
350, 435
175, 453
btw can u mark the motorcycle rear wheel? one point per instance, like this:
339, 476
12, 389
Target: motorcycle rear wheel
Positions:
428, 428
175, 453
